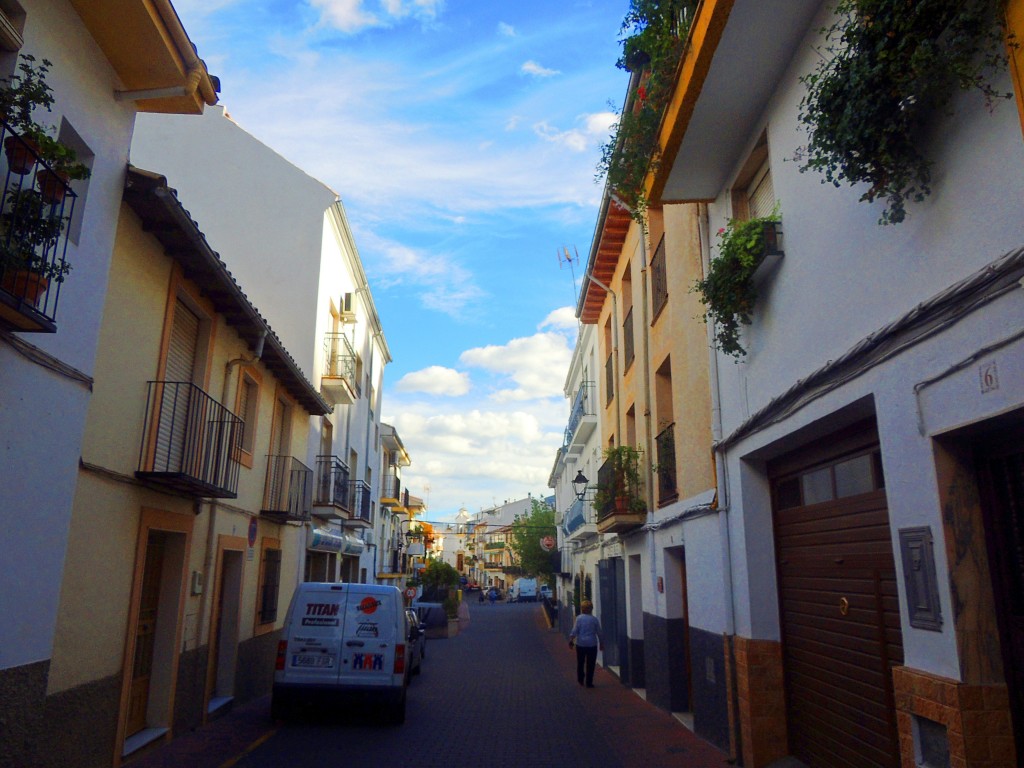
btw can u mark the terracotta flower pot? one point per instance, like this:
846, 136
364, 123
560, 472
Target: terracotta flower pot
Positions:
24, 284
22, 154
52, 185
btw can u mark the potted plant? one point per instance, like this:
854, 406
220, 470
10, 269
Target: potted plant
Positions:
652, 49
728, 290
22, 95
886, 68
622, 490
29, 233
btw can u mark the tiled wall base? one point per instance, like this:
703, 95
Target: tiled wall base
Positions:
976, 719
761, 701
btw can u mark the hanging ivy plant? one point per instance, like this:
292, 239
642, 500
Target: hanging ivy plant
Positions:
655, 43
727, 291
887, 66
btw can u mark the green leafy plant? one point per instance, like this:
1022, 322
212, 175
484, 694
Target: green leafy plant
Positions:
451, 606
23, 92
28, 236
624, 488
654, 46
727, 291
887, 66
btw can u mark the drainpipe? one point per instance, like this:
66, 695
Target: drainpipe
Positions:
208, 562
615, 349
722, 491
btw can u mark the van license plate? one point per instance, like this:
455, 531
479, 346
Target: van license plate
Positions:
312, 660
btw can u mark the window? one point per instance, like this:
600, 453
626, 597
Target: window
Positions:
659, 279
270, 583
247, 408
753, 194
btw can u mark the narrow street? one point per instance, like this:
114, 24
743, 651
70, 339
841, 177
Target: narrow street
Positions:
501, 693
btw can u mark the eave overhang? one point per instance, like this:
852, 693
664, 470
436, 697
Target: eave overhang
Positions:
609, 237
152, 54
164, 217
736, 53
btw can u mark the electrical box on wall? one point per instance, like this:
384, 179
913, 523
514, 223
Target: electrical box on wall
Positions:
197, 583
919, 578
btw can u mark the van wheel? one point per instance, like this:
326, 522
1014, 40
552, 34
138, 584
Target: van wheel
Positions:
397, 713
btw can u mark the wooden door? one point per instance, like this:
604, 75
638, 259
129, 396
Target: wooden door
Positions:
145, 633
839, 608
1002, 484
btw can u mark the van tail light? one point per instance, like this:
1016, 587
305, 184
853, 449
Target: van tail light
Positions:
400, 659
282, 652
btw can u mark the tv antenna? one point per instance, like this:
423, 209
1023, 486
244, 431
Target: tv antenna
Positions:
564, 257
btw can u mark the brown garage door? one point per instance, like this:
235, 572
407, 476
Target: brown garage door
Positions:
839, 608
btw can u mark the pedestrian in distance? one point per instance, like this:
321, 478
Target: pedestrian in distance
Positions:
586, 637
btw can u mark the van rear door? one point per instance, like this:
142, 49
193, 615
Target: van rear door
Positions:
315, 629
372, 619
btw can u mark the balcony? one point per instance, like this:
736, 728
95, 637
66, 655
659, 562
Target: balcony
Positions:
494, 545
665, 442
190, 442
288, 494
359, 493
619, 500
36, 207
582, 418
331, 497
391, 488
338, 383
492, 566
579, 520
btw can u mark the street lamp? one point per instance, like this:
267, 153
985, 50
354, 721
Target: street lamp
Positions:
579, 484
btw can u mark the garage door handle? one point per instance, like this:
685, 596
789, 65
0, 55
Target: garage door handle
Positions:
356, 643
844, 606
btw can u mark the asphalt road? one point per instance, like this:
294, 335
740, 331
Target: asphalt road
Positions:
502, 694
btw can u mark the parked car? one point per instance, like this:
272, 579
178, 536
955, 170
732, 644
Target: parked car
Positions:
546, 593
417, 642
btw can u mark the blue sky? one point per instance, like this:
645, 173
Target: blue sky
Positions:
462, 137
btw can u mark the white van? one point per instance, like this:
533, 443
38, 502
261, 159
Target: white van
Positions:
524, 591
343, 641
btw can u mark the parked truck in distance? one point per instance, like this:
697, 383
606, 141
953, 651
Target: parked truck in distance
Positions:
524, 591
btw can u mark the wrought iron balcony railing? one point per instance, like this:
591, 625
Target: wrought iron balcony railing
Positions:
332, 484
190, 441
36, 207
339, 376
579, 514
583, 414
288, 494
391, 487
359, 493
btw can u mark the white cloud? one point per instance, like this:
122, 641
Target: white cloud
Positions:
435, 380
533, 68
594, 130
528, 362
444, 285
561, 319
506, 30
352, 16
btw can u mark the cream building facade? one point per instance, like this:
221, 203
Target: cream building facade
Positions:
48, 348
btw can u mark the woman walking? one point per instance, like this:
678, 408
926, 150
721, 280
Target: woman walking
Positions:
586, 636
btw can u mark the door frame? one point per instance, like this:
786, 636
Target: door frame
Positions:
165, 522
225, 543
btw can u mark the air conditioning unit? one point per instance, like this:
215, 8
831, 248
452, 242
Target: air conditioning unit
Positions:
368, 538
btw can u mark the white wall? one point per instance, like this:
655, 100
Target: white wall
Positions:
42, 412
